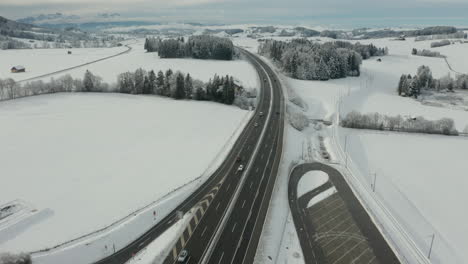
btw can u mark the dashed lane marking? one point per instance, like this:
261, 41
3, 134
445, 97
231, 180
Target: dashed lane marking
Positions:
204, 230
221, 258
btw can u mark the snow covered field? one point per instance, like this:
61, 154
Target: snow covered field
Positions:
58, 59
420, 171
42, 61
422, 183
91, 159
139, 58
311, 181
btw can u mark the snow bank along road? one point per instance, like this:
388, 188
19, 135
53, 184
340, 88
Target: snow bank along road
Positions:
333, 227
259, 147
229, 228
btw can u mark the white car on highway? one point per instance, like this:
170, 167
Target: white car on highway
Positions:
183, 256
241, 168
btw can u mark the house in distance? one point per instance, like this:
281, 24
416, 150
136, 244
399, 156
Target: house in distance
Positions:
17, 69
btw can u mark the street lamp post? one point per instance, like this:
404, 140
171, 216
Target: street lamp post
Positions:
430, 248
375, 180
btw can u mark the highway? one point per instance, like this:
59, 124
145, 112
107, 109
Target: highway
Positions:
336, 229
233, 204
230, 228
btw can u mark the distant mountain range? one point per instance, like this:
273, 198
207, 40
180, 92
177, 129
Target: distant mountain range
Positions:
60, 18
89, 23
10, 25
43, 18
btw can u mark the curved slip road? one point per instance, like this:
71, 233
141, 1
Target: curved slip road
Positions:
336, 229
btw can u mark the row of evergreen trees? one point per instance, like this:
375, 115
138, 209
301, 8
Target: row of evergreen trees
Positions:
197, 47
178, 86
306, 60
413, 85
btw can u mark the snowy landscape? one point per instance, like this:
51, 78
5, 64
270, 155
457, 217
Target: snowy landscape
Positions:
154, 138
86, 172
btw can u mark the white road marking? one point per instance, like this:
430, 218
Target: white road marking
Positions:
234, 227
372, 259
251, 185
221, 258
340, 245
243, 204
339, 235
204, 231
346, 253
360, 255
217, 206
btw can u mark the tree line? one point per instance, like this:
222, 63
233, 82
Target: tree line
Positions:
457, 35
197, 47
413, 85
441, 43
307, 60
22, 258
376, 121
427, 53
177, 85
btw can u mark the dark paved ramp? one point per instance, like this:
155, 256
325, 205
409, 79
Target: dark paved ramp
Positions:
335, 229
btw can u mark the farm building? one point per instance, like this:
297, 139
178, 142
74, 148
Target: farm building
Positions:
18, 69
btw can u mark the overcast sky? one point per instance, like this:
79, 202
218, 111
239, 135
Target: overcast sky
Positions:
319, 12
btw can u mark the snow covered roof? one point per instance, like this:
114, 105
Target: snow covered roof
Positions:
18, 67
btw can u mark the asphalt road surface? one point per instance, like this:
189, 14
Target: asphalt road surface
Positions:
335, 229
259, 148
229, 230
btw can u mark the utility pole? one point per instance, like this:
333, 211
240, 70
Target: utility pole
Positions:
346, 151
430, 249
375, 180
303, 150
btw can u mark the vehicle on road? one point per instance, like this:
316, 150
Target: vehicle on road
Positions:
265, 80
241, 168
183, 256
238, 159
256, 125
261, 114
